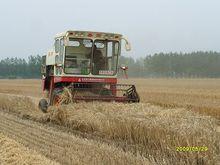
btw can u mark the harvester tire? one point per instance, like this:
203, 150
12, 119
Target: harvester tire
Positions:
43, 105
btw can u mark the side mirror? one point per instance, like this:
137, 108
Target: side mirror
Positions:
124, 69
43, 69
43, 64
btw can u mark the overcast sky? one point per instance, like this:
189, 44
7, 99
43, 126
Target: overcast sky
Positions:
28, 27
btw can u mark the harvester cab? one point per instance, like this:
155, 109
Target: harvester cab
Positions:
83, 66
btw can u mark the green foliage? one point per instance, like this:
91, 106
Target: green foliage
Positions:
193, 65
20, 68
189, 65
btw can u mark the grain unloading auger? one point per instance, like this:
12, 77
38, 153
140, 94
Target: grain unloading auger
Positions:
84, 66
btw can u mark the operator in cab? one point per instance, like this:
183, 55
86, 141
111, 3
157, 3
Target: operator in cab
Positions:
99, 60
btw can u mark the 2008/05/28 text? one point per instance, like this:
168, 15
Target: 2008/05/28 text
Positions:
196, 149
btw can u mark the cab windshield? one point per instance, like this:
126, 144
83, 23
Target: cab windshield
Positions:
78, 56
83, 57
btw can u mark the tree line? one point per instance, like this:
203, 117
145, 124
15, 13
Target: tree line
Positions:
176, 65
20, 68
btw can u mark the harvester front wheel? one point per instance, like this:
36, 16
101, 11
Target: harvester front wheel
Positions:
43, 105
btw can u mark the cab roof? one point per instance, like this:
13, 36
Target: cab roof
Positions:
89, 34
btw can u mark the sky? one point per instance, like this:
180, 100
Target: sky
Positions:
28, 27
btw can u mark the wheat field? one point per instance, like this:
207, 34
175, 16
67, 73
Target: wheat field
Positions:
199, 95
172, 113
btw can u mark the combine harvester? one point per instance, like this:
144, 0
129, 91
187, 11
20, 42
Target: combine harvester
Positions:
85, 65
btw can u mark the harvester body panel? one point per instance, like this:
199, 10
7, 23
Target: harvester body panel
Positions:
85, 62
